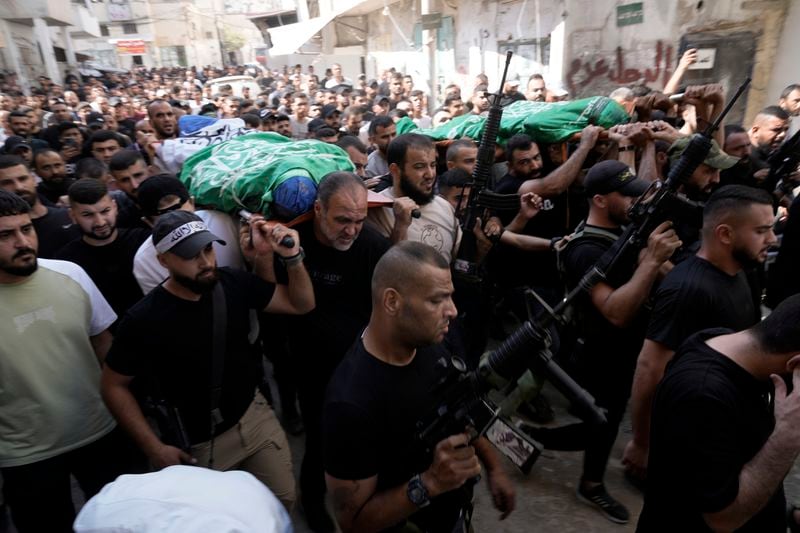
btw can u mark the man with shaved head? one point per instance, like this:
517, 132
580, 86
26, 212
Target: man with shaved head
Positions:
162, 118
767, 133
377, 476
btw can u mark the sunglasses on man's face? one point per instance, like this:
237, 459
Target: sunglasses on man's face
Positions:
173, 207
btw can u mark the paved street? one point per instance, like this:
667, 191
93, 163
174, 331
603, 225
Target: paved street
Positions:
546, 500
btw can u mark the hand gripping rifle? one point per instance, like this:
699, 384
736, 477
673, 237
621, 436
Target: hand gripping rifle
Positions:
783, 163
465, 404
465, 264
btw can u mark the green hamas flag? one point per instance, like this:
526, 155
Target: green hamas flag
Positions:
244, 172
547, 123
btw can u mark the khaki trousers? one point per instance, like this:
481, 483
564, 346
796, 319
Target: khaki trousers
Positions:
258, 445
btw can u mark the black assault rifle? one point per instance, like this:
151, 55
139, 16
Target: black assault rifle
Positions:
783, 163
465, 404
465, 263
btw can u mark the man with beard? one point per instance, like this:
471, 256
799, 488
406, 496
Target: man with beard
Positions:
536, 89
129, 170
104, 251
512, 267
707, 290
698, 187
725, 430
612, 321
54, 325
767, 133
412, 164
49, 166
379, 476
167, 340
162, 118
340, 258
737, 144
53, 226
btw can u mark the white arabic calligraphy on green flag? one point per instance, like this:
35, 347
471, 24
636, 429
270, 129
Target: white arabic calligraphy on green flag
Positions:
547, 123
243, 173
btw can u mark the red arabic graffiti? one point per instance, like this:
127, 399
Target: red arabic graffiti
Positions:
582, 73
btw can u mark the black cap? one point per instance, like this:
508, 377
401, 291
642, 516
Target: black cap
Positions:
95, 117
328, 110
155, 188
315, 124
14, 144
613, 176
183, 234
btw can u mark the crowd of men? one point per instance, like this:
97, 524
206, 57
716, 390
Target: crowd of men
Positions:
135, 323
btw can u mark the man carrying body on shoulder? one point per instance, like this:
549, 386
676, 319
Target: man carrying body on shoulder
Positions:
232, 426
707, 290
720, 449
53, 226
612, 318
341, 254
104, 251
54, 325
698, 187
162, 194
412, 163
379, 477
510, 266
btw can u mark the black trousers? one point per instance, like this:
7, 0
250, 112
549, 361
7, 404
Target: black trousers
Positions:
609, 381
39, 494
311, 394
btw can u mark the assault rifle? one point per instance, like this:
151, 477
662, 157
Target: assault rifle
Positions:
783, 162
466, 405
465, 263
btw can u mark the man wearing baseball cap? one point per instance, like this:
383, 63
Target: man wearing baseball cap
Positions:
699, 186
706, 177
208, 376
613, 324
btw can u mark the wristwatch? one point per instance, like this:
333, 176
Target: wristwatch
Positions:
417, 493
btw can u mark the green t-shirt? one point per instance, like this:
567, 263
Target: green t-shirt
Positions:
49, 375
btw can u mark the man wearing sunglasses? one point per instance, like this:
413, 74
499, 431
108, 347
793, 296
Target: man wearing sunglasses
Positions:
162, 194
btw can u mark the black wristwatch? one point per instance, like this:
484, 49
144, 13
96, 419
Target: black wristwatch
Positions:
417, 493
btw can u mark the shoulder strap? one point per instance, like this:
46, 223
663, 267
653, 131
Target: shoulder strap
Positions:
581, 231
219, 329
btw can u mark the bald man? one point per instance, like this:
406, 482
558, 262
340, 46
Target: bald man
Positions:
162, 118
376, 475
767, 133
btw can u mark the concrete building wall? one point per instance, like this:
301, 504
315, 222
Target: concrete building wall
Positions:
786, 68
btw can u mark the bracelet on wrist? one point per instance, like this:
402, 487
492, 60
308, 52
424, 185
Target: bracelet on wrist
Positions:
293, 260
626, 148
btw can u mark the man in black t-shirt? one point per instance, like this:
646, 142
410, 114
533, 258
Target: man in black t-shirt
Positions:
707, 290
52, 224
720, 448
104, 251
697, 187
378, 475
341, 254
612, 318
167, 341
512, 267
